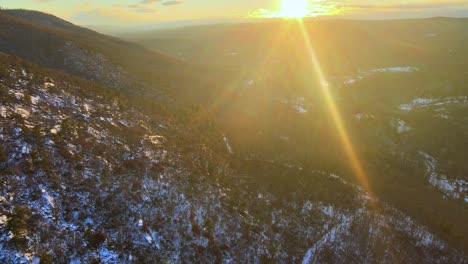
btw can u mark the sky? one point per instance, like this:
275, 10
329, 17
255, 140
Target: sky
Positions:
135, 12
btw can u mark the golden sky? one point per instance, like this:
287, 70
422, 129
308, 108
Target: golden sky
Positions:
128, 12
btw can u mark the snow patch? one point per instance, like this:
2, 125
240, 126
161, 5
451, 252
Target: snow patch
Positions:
22, 112
329, 237
3, 111
26, 149
48, 85
361, 116
401, 126
395, 69
362, 74
155, 140
99, 135
327, 210
17, 131
453, 188
350, 81
307, 207
3, 220
35, 100
442, 116
108, 256
19, 95
55, 129
428, 102
50, 200
228, 146
149, 239
299, 106
89, 221
87, 107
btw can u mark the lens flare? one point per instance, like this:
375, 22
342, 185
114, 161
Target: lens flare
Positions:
288, 9
335, 113
293, 8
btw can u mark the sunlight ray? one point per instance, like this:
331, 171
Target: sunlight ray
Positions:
337, 119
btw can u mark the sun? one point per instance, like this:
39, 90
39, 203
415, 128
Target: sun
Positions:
293, 8
288, 9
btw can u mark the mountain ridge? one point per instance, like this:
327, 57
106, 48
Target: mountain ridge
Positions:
126, 65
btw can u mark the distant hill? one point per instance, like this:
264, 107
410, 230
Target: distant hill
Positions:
41, 18
55, 43
341, 45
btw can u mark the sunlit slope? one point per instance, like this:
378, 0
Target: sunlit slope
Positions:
273, 53
348, 43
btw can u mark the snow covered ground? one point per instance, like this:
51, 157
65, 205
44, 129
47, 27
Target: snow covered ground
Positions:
115, 177
393, 69
299, 105
418, 103
363, 74
401, 126
453, 188
362, 116
228, 146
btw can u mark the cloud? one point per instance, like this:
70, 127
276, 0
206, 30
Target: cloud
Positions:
171, 3
407, 6
145, 10
143, 6
401, 9
147, 2
377, 9
136, 8
163, 2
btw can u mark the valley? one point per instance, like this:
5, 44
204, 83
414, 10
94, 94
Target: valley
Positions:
229, 143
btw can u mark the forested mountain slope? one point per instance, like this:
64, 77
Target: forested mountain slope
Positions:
87, 179
55, 43
236, 162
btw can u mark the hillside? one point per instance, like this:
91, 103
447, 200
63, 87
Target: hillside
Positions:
115, 153
86, 179
39, 18
272, 54
399, 87
55, 43
341, 45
